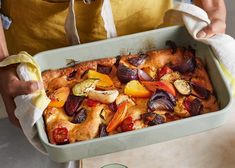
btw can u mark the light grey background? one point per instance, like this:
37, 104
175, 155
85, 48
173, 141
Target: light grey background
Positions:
230, 17
16, 152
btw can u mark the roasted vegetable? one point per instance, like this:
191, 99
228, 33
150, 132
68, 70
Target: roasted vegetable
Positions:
113, 107
122, 97
106, 115
104, 69
57, 83
171, 77
138, 60
180, 109
163, 71
171, 117
150, 71
194, 107
72, 75
200, 91
161, 104
151, 118
143, 76
164, 85
91, 103
108, 96
102, 130
118, 58
127, 124
59, 97
82, 88
182, 86
161, 100
135, 89
189, 65
80, 116
118, 117
126, 74
61, 135
72, 104
104, 80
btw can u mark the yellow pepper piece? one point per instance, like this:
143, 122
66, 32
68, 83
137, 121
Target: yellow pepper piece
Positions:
135, 89
104, 80
59, 97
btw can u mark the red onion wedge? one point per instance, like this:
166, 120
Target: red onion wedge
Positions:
143, 76
72, 104
189, 65
126, 74
104, 69
138, 60
161, 100
200, 91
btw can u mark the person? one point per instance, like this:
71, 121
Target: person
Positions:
38, 25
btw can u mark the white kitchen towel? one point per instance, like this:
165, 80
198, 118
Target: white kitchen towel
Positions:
195, 19
29, 108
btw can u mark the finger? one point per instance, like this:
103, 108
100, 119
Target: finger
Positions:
22, 87
10, 108
217, 26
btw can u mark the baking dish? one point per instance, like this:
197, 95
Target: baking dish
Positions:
145, 41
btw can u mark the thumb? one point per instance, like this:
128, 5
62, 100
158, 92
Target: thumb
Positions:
217, 26
27, 87
206, 32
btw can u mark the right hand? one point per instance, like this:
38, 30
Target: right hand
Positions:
11, 86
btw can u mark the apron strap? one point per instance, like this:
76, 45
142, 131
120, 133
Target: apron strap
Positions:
71, 28
70, 25
107, 15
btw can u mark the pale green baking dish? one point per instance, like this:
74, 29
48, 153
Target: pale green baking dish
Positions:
150, 40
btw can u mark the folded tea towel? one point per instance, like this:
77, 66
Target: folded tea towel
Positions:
195, 19
29, 108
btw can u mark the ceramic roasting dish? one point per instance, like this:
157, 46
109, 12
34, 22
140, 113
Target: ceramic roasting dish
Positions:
146, 41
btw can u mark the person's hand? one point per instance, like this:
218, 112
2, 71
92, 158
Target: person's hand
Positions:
217, 26
11, 86
216, 11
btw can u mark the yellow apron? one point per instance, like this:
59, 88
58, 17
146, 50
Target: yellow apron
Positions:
38, 25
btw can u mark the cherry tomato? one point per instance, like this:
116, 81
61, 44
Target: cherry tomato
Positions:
127, 124
164, 70
187, 104
61, 136
91, 103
